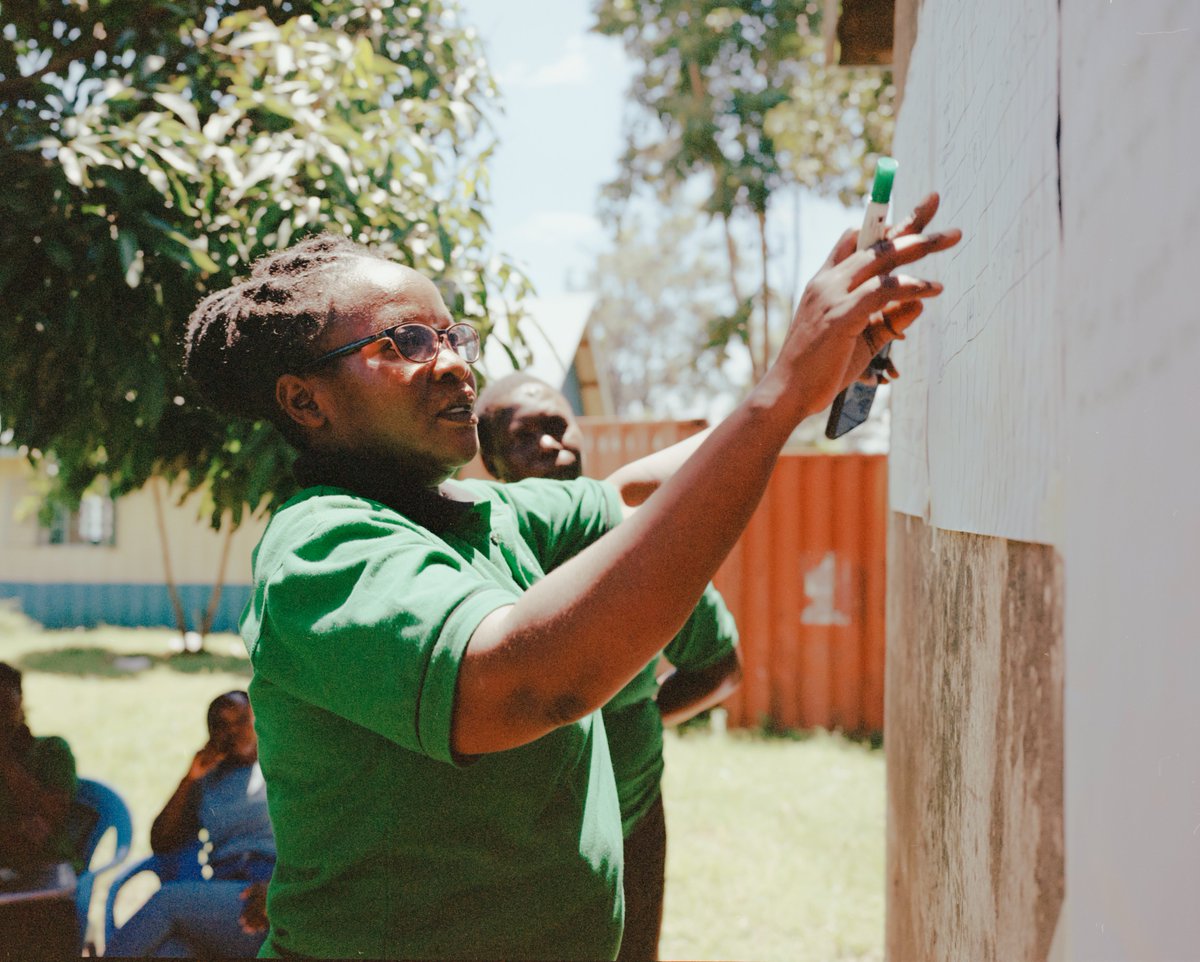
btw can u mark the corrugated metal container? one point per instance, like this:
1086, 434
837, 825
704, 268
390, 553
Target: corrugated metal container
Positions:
807, 584
609, 443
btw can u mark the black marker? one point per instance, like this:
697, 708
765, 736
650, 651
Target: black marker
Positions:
851, 406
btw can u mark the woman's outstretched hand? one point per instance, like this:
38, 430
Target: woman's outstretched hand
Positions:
856, 304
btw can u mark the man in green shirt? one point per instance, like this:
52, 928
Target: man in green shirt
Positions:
528, 430
429, 656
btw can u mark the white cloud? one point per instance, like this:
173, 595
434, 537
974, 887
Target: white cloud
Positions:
572, 68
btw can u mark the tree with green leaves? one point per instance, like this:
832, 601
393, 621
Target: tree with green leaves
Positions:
655, 359
150, 151
734, 94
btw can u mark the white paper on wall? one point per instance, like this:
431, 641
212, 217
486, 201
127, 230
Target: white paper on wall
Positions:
976, 414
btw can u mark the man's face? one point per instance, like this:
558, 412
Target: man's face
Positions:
419, 416
233, 733
539, 437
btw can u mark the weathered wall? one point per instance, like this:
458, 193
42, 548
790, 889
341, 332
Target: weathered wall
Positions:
1091, 106
974, 743
974, 684
195, 549
66, 585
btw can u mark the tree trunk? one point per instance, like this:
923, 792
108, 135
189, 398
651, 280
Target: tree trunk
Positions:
214, 599
766, 297
168, 574
731, 250
798, 247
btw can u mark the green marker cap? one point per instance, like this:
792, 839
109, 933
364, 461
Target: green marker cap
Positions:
885, 173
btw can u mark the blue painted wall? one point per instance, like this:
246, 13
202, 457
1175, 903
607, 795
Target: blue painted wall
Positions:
131, 605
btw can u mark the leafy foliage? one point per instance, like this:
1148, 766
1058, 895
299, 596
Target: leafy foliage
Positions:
651, 350
734, 95
150, 151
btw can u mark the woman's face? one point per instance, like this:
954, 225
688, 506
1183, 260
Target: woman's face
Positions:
376, 401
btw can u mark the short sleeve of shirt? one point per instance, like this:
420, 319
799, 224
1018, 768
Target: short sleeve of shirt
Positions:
558, 519
361, 613
709, 634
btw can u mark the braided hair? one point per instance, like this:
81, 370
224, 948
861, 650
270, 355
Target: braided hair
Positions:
240, 340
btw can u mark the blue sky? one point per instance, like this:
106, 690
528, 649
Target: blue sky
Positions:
560, 135
560, 139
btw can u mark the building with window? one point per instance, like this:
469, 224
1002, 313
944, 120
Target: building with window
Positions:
108, 562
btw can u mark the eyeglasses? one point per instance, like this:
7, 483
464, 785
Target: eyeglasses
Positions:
419, 343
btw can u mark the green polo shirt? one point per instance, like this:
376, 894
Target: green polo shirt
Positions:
632, 719
389, 845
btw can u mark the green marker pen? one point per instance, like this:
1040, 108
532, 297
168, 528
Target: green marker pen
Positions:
852, 406
875, 220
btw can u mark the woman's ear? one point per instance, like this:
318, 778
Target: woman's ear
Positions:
296, 398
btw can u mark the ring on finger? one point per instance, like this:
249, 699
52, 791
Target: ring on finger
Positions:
887, 322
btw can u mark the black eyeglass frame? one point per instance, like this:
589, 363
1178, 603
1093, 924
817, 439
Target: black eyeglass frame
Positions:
389, 333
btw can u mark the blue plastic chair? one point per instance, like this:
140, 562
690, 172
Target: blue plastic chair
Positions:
97, 809
179, 865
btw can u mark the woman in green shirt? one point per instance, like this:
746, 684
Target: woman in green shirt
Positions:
429, 655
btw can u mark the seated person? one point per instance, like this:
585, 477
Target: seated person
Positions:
528, 430
223, 793
37, 785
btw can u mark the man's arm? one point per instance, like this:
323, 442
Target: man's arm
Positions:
683, 694
40, 810
639, 479
179, 822
31, 797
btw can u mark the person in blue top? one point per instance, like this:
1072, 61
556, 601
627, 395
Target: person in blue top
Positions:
223, 793
430, 656
528, 430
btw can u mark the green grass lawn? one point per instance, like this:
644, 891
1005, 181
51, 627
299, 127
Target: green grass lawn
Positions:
775, 844
774, 848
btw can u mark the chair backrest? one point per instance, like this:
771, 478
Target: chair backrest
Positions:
96, 809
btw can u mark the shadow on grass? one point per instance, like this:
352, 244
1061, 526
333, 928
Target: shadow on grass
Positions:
96, 662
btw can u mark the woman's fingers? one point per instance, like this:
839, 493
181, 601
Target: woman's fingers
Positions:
916, 221
843, 248
887, 326
887, 255
879, 292
897, 318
